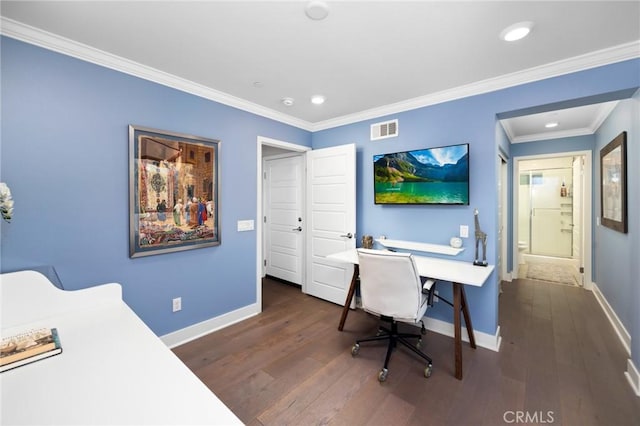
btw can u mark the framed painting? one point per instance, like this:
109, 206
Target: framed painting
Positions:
173, 192
613, 178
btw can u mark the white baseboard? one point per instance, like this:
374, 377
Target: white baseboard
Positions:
621, 331
203, 328
484, 340
633, 376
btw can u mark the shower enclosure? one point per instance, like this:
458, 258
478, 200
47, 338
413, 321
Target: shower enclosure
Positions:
545, 223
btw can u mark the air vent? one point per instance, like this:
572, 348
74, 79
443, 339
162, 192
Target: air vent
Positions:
387, 129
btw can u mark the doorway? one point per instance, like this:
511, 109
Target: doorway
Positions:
552, 207
325, 215
268, 148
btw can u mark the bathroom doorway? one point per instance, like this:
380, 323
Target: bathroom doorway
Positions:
551, 205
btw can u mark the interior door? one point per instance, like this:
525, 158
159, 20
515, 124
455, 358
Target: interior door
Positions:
331, 223
577, 212
502, 196
284, 227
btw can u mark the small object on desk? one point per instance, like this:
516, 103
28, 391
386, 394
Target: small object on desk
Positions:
480, 237
30, 346
455, 242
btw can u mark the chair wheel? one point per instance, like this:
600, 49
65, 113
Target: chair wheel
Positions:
427, 371
355, 349
382, 375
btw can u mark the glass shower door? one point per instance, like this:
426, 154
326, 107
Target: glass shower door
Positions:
551, 213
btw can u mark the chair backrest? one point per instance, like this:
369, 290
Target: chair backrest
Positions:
390, 284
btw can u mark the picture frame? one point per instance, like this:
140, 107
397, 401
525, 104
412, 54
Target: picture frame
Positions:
613, 189
173, 192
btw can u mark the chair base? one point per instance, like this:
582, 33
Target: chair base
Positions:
394, 337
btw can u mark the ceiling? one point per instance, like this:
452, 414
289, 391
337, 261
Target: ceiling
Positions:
368, 58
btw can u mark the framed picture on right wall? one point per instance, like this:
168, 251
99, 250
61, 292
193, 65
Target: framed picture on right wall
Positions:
613, 181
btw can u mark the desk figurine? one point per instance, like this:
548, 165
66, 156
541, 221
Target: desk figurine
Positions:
480, 236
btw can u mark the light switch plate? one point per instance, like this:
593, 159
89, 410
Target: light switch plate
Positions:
245, 225
464, 231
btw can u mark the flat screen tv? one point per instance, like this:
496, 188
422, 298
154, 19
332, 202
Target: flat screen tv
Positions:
424, 176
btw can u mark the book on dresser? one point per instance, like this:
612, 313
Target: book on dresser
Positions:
27, 347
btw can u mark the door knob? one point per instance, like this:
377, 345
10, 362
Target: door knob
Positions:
299, 228
349, 235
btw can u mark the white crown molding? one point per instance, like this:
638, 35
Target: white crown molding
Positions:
603, 113
595, 59
47, 40
506, 125
53, 42
553, 135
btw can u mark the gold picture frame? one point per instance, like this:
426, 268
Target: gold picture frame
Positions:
173, 192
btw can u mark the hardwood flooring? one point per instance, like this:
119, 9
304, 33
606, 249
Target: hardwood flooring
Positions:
560, 363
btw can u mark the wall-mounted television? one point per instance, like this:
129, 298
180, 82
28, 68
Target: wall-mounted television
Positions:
423, 176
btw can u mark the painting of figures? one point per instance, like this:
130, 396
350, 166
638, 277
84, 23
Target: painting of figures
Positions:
173, 192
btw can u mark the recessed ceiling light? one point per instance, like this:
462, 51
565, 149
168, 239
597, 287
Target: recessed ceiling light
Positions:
257, 84
317, 99
551, 125
316, 10
516, 31
287, 101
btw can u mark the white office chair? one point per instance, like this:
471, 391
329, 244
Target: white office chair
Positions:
391, 289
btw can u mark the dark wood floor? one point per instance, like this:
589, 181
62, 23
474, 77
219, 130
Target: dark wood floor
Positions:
560, 363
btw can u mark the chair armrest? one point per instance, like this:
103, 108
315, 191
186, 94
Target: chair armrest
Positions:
429, 288
427, 283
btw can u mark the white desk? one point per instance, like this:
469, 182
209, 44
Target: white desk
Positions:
113, 369
423, 247
457, 272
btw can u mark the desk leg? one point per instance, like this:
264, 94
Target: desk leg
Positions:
460, 304
467, 318
457, 328
347, 303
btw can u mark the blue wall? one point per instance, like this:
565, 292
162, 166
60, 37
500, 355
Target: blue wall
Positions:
65, 155
65, 158
616, 253
471, 120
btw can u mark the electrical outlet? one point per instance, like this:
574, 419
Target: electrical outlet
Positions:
464, 231
177, 304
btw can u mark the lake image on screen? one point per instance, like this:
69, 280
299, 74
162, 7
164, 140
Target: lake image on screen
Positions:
429, 176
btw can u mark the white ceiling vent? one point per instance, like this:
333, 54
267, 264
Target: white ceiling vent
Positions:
386, 129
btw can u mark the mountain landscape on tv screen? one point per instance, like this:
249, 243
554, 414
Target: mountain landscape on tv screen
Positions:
429, 176
404, 167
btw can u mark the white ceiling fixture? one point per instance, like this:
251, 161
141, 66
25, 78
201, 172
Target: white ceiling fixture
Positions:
317, 99
375, 54
578, 121
517, 31
288, 101
316, 10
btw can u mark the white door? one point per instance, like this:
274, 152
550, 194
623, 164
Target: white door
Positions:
502, 197
331, 223
284, 229
578, 211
